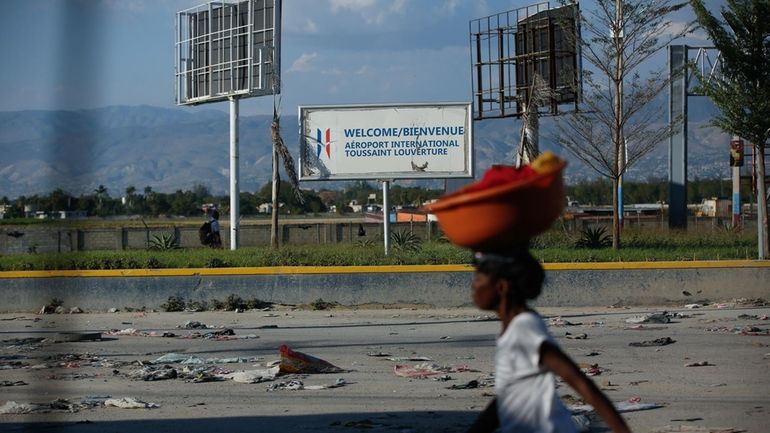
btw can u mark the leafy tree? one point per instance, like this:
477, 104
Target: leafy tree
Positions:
742, 93
617, 120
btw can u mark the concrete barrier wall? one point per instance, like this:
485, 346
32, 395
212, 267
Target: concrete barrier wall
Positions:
441, 286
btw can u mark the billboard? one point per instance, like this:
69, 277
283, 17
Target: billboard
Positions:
228, 48
508, 48
405, 141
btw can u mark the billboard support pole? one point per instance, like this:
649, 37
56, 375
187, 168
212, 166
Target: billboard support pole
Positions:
235, 193
385, 215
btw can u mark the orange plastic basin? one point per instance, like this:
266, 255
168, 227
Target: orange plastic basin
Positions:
498, 218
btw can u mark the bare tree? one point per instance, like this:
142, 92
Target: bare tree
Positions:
616, 124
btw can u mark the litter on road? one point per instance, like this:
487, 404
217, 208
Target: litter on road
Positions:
298, 362
650, 343
129, 403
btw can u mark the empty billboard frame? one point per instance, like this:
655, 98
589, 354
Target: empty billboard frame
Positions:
508, 48
226, 49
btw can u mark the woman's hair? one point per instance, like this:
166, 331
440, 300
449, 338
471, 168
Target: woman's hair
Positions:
215, 215
523, 272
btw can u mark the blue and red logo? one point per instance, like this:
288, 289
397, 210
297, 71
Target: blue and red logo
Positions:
324, 141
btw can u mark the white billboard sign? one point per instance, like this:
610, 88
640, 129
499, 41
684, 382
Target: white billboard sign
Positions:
406, 141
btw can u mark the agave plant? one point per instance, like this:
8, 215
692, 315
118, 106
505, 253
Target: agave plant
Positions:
594, 238
164, 242
405, 240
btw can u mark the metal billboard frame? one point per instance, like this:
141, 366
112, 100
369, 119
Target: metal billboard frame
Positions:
470, 163
226, 49
509, 47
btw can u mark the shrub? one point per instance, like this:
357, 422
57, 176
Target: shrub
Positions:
174, 303
234, 302
594, 238
164, 242
405, 240
320, 304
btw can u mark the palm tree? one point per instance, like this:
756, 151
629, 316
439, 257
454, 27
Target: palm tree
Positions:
100, 192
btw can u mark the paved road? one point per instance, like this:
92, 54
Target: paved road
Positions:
732, 391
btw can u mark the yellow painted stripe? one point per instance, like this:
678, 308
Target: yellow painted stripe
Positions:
304, 270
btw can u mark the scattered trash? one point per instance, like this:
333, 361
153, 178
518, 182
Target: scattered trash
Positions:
293, 385
754, 331
650, 318
657, 342
473, 384
254, 376
13, 383
637, 382
378, 354
129, 403
419, 370
11, 407
426, 369
443, 378
409, 358
590, 369
699, 364
644, 328
686, 293
582, 423
76, 310
695, 429
113, 310
558, 321
693, 306
151, 373
68, 337
193, 324
446, 337
298, 362
633, 404
576, 336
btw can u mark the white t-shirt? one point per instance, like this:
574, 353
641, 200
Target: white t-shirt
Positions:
526, 392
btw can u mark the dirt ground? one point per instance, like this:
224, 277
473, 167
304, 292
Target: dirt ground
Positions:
731, 391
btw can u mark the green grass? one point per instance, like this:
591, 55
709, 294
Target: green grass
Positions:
553, 246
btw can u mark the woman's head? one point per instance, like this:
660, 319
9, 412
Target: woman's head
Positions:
215, 215
515, 276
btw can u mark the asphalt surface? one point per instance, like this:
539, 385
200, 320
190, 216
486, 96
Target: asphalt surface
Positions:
731, 391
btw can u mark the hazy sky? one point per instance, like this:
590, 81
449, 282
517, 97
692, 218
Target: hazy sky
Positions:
78, 54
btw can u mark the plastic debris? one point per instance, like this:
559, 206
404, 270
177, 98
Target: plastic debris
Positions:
657, 342
298, 362
11, 407
113, 310
699, 364
576, 336
559, 321
129, 403
193, 324
409, 358
418, 371
650, 318
13, 383
473, 384
151, 373
633, 404
693, 306
254, 376
378, 354
292, 385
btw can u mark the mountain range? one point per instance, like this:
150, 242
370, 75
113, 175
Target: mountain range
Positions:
169, 149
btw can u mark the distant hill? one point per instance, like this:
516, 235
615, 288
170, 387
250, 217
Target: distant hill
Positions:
170, 149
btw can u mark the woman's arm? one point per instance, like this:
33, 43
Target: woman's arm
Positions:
558, 362
487, 422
